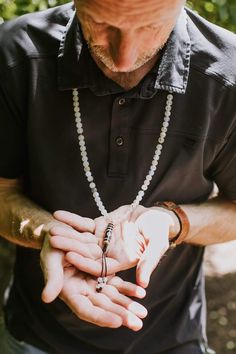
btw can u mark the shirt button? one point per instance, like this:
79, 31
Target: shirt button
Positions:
119, 141
121, 101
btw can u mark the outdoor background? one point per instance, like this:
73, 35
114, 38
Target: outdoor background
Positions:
222, 12
220, 261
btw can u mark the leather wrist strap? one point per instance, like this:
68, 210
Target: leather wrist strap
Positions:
183, 221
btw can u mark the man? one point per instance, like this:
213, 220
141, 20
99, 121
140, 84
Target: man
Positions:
83, 101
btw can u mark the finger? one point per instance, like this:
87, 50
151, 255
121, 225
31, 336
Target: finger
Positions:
100, 229
113, 294
76, 221
91, 266
84, 264
52, 266
87, 311
85, 237
148, 262
129, 319
127, 288
68, 244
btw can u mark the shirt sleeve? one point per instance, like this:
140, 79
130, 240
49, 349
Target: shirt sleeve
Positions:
12, 134
224, 167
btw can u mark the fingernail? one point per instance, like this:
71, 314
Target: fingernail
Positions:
141, 292
134, 322
138, 309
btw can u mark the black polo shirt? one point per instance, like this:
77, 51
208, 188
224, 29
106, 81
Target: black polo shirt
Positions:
42, 57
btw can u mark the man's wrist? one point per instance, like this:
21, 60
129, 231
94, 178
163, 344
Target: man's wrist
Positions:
175, 226
182, 218
30, 225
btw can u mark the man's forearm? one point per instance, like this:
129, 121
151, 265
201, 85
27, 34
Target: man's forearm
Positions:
21, 220
211, 222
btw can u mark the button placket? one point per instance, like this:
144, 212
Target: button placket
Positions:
118, 156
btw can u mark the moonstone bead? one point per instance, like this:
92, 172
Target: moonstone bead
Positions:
79, 126
168, 113
153, 168
156, 157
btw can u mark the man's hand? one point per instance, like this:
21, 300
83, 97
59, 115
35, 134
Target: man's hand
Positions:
140, 240
53, 262
111, 308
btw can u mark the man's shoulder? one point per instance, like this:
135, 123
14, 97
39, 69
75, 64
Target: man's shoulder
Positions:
33, 35
213, 50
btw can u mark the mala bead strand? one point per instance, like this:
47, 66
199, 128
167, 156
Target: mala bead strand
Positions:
101, 281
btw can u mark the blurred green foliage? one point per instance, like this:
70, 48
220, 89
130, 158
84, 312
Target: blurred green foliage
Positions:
222, 12
13, 8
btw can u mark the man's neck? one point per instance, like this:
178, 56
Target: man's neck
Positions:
130, 79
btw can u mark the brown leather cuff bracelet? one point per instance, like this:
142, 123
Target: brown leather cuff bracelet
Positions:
183, 221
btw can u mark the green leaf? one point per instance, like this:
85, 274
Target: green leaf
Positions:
209, 7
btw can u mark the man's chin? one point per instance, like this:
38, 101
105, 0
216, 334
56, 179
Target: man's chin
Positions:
107, 66
115, 70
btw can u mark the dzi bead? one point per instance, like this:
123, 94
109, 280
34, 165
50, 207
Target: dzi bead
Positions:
108, 235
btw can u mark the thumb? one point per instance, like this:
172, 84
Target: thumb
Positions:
150, 259
53, 270
146, 265
154, 227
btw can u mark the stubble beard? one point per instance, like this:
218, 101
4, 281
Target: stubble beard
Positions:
100, 54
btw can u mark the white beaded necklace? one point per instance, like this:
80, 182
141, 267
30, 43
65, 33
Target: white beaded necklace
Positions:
91, 181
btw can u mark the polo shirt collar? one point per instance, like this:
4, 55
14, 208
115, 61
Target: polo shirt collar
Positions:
76, 68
